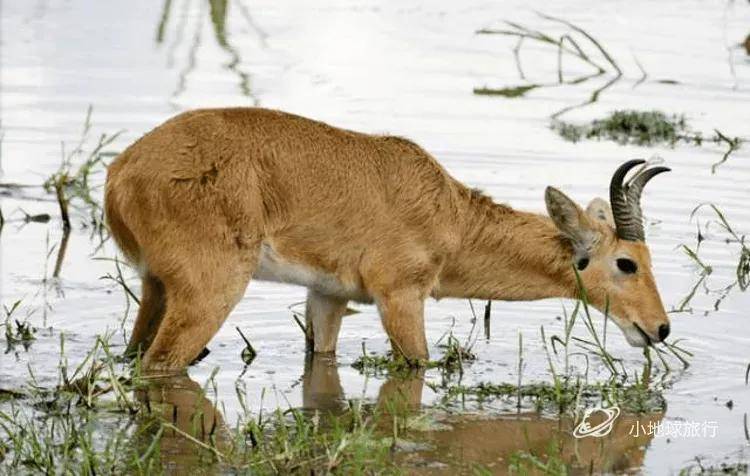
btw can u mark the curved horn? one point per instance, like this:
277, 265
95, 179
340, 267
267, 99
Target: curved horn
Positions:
633, 192
625, 225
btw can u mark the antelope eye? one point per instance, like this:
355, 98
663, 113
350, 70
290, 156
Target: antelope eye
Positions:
627, 266
582, 263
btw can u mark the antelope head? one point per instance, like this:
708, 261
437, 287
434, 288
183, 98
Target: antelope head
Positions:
611, 256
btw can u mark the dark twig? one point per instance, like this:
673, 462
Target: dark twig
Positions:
644, 74
583, 32
62, 201
248, 353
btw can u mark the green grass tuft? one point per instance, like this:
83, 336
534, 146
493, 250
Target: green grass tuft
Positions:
629, 127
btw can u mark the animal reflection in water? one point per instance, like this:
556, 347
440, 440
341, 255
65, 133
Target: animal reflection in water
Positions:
459, 442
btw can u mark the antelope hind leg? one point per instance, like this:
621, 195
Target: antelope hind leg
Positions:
150, 314
199, 299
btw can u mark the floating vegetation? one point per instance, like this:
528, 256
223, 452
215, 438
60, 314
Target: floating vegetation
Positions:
37, 218
644, 128
628, 127
510, 92
218, 14
723, 468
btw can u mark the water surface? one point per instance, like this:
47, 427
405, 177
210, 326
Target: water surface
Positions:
407, 69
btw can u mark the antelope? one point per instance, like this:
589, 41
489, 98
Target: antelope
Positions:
214, 197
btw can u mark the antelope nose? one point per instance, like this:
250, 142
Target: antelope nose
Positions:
663, 331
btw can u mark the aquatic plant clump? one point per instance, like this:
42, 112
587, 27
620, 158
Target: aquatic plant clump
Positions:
629, 127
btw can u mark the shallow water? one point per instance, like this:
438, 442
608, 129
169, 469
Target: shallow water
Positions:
407, 70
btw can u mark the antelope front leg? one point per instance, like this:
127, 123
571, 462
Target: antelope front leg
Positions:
402, 313
323, 320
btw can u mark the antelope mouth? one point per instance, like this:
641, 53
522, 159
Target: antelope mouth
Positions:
647, 341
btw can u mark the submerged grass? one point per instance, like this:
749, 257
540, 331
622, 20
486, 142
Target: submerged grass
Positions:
455, 356
564, 396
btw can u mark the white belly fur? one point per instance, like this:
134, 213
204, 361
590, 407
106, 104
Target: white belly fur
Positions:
272, 267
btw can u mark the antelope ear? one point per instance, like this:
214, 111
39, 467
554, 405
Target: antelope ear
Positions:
572, 221
599, 209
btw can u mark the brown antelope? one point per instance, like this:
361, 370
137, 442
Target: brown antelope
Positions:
214, 197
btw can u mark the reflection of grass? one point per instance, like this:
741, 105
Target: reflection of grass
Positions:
574, 42
218, 15
551, 463
291, 442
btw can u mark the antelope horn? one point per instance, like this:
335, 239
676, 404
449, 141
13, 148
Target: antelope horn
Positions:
625, 199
